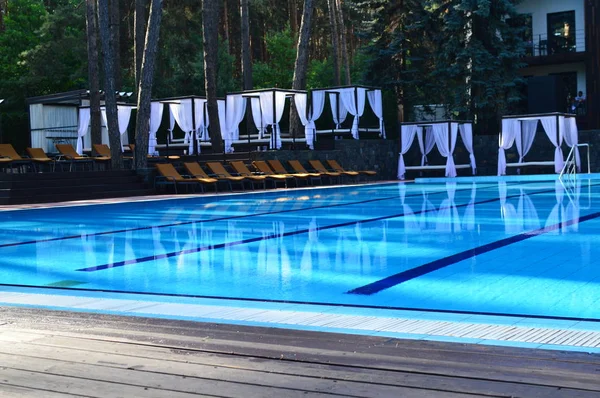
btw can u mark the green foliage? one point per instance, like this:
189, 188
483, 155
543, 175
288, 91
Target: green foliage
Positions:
278, 71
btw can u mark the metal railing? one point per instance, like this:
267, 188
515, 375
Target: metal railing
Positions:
541, 44
569, 170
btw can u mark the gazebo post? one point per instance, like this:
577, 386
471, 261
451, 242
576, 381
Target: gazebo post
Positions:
357, 118
204, 116
273, 132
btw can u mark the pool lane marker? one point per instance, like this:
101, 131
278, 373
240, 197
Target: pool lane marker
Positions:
177, 224
285, 234
438, 264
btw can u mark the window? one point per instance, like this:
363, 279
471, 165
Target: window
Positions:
561, 32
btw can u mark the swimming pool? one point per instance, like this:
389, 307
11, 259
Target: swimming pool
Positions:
525, 249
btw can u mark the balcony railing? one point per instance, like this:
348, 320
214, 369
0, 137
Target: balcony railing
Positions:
543, 45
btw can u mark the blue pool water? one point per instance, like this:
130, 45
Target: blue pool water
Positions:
510, 248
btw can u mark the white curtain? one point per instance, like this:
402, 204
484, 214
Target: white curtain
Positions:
376, 102
308, 121
407, 136
156, 113
182, 113
338, 110
267, 106
446, 149
510, 129
171, 124
201, 120
429, 142
123, 116
82, 129
572, 137
231, 113
555, 135
466, 134
353, 99
524, 140
257, 116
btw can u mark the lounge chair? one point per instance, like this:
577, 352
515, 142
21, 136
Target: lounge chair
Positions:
8, 152
194, 169
318, 167
336, 166
298, 168
242, 170
220, 172
39, 157
69, 153
264, 168
279, 169
169, 175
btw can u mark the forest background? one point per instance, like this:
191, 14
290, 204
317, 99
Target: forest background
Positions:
464, 54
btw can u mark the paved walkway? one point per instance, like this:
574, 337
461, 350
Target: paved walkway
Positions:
62, 354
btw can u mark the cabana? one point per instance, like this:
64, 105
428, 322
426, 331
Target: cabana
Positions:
521, 130
190, 114
348, 100
267, 107
442, 134
64, 118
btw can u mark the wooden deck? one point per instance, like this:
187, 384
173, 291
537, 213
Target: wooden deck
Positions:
63, 354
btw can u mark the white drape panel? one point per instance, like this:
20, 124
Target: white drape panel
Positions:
171, 124
407, 134
201, 120
156, 113
82, 128
123, 116
231, 113
267, 106
338, 110
466, 134
445, 147
308, 121
376, 102
551, 127
525, 138
257, 116
572, 137
426, 146
510, 129
354, 100
182, 113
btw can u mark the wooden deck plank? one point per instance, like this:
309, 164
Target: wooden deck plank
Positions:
112, 349
7, 390
332, 379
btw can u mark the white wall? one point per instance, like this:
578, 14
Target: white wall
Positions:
539, 9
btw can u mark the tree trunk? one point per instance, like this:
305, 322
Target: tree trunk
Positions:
139, 37
334, 41
93, 72
246, 57
293, 13
3, 4
210, 41
225, 24
343, 43
110, 99
299, 81
115, 37
142, 123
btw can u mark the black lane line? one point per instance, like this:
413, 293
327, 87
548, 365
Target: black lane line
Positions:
176, 224
285, 234
435, 265
275, 301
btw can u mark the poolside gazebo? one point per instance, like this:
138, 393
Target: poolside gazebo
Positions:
442, 134
521, 129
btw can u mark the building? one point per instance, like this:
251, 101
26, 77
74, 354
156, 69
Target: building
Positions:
563, 57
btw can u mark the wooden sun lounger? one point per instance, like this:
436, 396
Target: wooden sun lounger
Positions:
169, 175
11, 156
194, 169
39, 157
298, 168
69, 153
264, 168
337, 167
242, 170
319, 167
220, 172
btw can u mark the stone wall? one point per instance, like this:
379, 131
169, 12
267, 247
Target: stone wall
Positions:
379, 155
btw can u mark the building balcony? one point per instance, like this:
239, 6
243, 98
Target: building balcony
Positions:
555, 49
